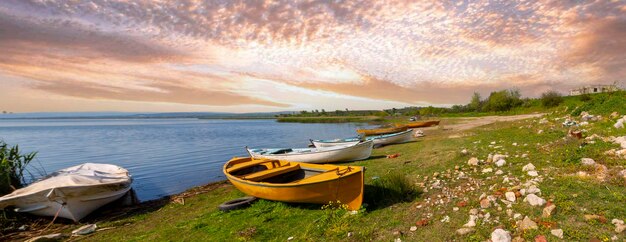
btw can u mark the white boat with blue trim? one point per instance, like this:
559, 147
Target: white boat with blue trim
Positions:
385, 139
318, 155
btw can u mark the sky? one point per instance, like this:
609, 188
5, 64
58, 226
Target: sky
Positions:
266, 55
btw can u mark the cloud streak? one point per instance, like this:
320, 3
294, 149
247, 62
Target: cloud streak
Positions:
196, 52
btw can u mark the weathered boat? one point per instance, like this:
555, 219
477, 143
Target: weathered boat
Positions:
71, 193
295, 182
423, 124
384, 130
359, 151
385, 139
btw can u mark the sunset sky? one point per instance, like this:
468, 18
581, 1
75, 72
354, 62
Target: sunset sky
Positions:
248, 56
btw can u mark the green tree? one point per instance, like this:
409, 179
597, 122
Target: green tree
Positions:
503, 100
551, 99
475, 104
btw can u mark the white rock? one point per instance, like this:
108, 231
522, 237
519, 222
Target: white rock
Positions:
498, 157
540, 131
499, 172
397, 240
617, 221
510, 196
619, 124
493, 142
533, 189
473, 211
528, 167
517, 216
471, 222
500, 162
413, 228
487, 170
473, 161
464, 152
533, 173
445, 219
587, 161
500, 235
534, 200
557, 232
464, 231
524, 155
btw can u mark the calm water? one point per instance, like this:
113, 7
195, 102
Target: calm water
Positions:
164, 156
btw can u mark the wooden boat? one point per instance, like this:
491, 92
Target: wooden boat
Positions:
72, 193
359, 151
385, 139
380, 131
295, 182
423, 124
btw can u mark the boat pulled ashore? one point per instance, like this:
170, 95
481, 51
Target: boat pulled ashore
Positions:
297, 182
340, 153
385, 139
71, 193
383, 130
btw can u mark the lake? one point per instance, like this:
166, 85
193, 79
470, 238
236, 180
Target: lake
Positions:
164, 156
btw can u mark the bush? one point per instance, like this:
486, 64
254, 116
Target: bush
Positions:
585, 97
12, 167
503, 100
551, 99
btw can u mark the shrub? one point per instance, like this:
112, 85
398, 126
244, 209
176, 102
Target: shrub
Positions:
12, 167
503, 100
585, 97
551, 99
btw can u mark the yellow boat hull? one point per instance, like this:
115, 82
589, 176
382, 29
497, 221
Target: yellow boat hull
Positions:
381, 131
310, 183
423, 124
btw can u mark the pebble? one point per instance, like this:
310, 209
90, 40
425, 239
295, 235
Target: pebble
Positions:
528, 167
534, 200
290, 238
501, 163
464, 152
527, 224
473, 161
455, 209
533, 173
499, 172
587, 161
500, 235
464, 231
517, 216
557, 232
540, 238
485, 203
548, 211
472, 221
487, 170
510, 196
413, 228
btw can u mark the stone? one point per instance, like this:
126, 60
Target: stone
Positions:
84, 230
517, 216
540, 131
422, 222
548, 211
455, 209
499, 172
461, 204
557, 232
500, 235
540, 238
487, 170
533, 173
473, 211
528, 167
464, 231
445, 219
489, 158
498, 157
290, 238
485, 203
620, 228
518, 239
534, 200
619, 124
500, 162
464, 152
587, 161
49, 237
510, 196
350, 234
527, 224
533, 189
397, 240
413, 228
472, 221
473, 161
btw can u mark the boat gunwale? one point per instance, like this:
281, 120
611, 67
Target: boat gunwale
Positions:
230, 177
7, 198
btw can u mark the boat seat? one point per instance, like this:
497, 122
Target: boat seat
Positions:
262, 175
245, 165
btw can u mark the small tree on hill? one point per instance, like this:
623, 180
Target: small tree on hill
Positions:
474, 104
551, 99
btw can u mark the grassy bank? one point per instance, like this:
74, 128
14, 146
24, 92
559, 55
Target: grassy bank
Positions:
331, 119
450, 189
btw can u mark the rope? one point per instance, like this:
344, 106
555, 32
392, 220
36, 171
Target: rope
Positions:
55, 216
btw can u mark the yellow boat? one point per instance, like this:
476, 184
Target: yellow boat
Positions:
297, 182
423, 124
380, 131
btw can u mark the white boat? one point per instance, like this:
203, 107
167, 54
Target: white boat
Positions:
385, 139
358, 151
71, 193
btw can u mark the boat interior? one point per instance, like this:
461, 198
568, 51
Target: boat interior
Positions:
273, 171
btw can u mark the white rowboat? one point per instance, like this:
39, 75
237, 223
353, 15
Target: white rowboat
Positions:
358, 151
385, 139
72, 193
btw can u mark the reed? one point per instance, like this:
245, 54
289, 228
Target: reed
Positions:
12, 167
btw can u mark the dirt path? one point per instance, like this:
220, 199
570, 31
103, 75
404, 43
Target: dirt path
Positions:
470, 123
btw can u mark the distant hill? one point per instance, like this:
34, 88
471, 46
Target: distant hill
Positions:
123, 115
